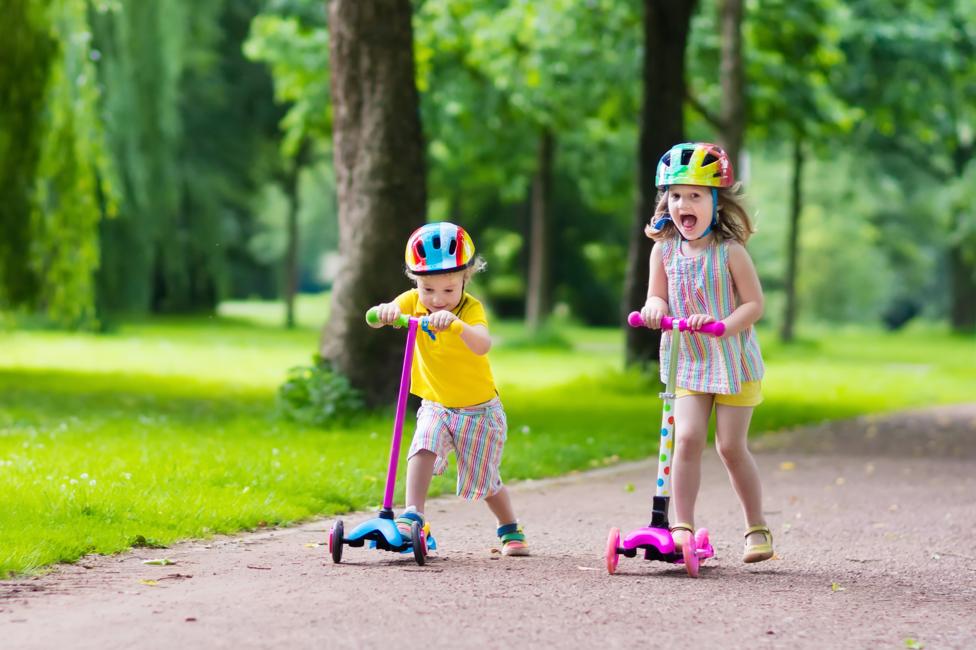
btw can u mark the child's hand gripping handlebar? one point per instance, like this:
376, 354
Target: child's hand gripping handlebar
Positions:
716, 328
373, 318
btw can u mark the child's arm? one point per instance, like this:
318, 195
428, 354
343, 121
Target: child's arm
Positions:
476, 337
656, 305
746, 282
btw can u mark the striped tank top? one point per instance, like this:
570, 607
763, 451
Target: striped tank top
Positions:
703, 285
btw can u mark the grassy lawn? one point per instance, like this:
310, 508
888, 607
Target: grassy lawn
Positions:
165, 429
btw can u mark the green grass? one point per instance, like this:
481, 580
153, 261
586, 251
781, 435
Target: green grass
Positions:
165, 429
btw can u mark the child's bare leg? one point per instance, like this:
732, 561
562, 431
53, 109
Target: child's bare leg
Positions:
509, 532
731, 432
420, 471
691, 433
500, 505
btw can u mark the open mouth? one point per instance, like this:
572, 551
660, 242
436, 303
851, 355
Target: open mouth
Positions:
688, 221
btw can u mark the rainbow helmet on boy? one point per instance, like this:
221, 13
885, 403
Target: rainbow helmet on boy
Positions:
440, 247
695, 163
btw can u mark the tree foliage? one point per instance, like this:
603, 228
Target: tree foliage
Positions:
64, 180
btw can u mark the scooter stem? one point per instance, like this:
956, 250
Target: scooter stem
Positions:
398, 422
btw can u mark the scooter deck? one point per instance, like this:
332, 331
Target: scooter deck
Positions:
383, 534
657, 544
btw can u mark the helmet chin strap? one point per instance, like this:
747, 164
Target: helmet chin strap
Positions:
657, 225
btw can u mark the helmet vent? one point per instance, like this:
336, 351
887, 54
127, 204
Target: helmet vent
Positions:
436, 241
666, 160
686, 156
709, 159
452, 247
419, 249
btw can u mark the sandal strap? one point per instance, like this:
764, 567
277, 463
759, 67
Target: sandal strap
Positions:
511, 533
683, 526
762, 528
409, 518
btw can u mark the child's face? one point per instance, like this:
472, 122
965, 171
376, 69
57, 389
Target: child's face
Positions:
690, 207
441, 292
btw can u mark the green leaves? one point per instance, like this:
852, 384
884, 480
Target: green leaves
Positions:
298, 56
318, 395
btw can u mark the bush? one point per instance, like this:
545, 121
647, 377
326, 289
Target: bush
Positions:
318, 395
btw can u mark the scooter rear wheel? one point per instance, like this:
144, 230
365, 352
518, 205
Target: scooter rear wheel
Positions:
335, 541
613, 542
419, 540
689, 550
702, 543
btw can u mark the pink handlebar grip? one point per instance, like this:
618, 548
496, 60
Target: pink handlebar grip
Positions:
716, 328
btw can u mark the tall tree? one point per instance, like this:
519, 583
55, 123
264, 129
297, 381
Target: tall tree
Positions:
793, 58
190, 124
380, 179
912, 68
666, 29
530, 77
537, 297
65, 178
730, 118
733, 82
26, 55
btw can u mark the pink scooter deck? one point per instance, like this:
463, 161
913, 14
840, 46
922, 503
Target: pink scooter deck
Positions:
661, 540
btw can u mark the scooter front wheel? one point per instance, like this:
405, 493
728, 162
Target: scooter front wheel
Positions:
419, 542
613, 542
335, 541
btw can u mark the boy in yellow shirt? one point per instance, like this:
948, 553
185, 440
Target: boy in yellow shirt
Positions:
460, 411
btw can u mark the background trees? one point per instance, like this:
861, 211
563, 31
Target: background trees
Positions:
161, 157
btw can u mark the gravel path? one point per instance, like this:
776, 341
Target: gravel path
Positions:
874, 518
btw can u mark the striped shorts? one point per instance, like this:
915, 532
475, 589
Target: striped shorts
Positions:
476, 435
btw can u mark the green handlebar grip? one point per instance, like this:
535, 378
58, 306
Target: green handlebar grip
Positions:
373, 318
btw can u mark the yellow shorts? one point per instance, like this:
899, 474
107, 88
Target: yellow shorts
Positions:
750, 395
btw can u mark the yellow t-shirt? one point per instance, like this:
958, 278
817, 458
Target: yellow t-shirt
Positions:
444, 369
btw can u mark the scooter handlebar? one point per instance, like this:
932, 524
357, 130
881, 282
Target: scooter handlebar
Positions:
716, 328
373, 318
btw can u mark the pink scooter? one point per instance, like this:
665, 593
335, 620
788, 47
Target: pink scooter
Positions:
655, 539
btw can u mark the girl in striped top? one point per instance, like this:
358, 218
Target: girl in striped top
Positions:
700, 271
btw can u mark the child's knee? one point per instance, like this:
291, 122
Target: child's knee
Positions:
731, 451
690, 442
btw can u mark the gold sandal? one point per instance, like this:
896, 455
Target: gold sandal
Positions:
758, 552
681, 526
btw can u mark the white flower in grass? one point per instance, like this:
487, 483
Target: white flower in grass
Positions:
84, 475
91, 482
73, 481
247, 488
127, 476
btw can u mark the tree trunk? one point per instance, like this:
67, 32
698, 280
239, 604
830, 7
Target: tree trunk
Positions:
380, 183
291, 252
792, 241
733, 113
537, 303
666, 27
962, 277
